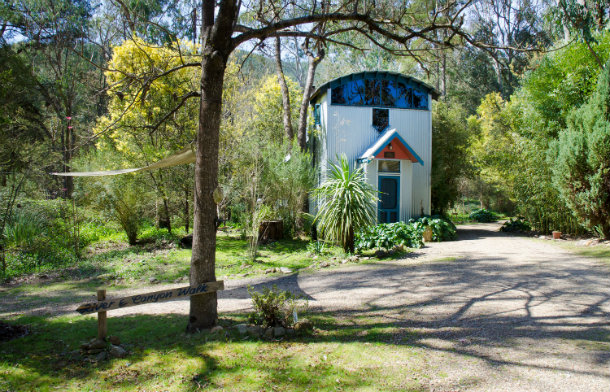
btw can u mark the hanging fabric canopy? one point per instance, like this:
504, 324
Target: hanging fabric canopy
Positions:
182, 157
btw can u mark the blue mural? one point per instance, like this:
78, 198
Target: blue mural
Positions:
375, 92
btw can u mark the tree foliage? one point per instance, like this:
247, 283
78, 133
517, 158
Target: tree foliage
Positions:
581, 159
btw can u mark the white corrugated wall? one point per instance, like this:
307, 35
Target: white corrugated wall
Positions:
348, 129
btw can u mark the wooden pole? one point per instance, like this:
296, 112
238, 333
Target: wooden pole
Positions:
102, 326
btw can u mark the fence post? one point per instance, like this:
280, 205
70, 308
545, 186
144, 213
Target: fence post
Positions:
102, 326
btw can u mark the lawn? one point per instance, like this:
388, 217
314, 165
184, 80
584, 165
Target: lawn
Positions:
342, 353
359, 353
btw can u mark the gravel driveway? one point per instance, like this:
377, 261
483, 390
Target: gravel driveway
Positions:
489, 312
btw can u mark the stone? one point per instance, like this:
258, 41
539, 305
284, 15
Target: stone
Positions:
96, 344
278, 332
152, 280
344, 261
268, 333
242, 328
285, 270
216, 329
353, 259
117, 352
114, 340
303, 325
325, 264
290, 331
93, 351
255, 330
101, 356
269, 270
178, 280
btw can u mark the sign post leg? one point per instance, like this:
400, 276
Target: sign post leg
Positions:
102, 326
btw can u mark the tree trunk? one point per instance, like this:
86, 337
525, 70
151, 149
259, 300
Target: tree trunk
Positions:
216, 47
311, 73
164, 217
187, 218
285, 93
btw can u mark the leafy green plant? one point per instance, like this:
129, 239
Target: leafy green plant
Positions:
516, 226
442, 229
483, 216
274, 307
316, 247
389, 235
346, 204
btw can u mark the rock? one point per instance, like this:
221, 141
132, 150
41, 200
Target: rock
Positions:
255, 330
324, 264
290, 331
152, 280
344, 261
101, 356
93, 351
269, 270
216, 329
242, 328
353, 259
114, 340
285, 270
186, 241
178, 280
278, 332
268, 333
117, 352
303, 325
96, 344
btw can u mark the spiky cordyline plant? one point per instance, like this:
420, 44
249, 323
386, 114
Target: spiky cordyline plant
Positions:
346, 203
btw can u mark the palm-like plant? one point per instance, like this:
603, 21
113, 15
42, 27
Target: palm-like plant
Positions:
347, 203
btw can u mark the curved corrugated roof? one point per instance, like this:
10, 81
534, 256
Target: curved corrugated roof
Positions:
379, 75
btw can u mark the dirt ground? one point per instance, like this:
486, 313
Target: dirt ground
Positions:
489, 312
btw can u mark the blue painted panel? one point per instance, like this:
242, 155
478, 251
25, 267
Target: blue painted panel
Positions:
376, 92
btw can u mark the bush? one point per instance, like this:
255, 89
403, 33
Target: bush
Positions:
274, 307
442, 229
389, 235
483, 216
516, 226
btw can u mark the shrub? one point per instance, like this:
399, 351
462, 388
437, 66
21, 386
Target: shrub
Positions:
347, 204
389, 235
483, 216
518, 225
442, 229
274, 307
315, 247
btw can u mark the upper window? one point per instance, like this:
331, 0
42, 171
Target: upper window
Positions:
373, 92
381, 119
316, 114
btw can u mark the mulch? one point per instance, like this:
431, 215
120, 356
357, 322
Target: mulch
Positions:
8, 331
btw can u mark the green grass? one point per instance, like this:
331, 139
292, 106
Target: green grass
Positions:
599, 252
361, 353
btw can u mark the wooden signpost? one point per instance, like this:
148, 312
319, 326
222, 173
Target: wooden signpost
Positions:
104, 305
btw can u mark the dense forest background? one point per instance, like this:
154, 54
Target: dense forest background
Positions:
522, 125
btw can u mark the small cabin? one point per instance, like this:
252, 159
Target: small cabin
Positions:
381, 121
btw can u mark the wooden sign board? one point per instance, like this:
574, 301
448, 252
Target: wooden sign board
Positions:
147, 298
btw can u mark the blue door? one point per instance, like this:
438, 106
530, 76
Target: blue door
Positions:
389, 199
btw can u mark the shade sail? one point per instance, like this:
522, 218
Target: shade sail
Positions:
184, 156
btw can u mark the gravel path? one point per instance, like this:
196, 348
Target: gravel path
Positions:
490, 312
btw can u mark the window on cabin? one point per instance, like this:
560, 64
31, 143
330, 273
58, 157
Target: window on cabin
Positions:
316, 114
381, 119
389, 167
374, 92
